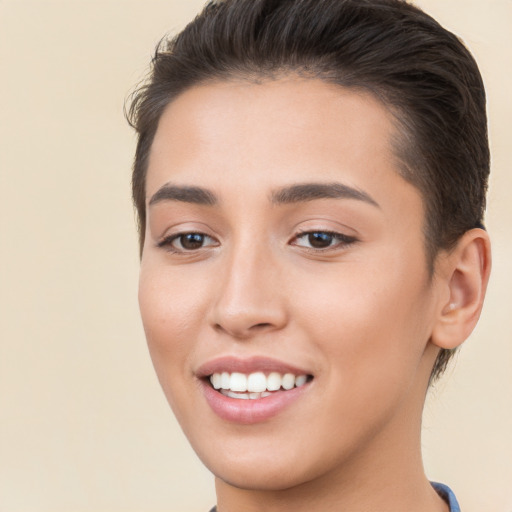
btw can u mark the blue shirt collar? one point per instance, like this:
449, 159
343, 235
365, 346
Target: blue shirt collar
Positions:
446, 493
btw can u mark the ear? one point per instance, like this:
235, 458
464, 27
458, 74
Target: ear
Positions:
464, 274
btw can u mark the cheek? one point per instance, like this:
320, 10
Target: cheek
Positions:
373, 320
371, 337
171, 314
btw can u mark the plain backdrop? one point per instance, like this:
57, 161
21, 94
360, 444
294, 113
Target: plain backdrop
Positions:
84, 425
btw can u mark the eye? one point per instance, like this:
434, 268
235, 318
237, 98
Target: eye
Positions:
321, 240
186, 242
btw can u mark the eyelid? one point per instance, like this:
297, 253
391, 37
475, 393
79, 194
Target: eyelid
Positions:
166, 242
343, 240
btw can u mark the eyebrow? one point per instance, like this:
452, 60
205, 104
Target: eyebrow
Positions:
299, 193
311, 191
185, 194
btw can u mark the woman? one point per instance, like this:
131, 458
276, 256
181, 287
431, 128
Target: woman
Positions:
310, 181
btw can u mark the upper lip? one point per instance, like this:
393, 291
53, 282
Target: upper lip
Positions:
232, 364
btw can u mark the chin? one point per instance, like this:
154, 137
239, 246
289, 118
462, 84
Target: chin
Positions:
256, 478
259, 465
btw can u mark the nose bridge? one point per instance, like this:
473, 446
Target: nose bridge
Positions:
248, 299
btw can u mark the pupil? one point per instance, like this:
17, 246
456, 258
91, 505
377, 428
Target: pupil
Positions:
320, 240
192, 241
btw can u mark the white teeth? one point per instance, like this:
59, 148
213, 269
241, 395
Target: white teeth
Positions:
300, 380
274, 381
288, 381
216, 380
257, 382
232, 394
238, 382
224, 382
245, 396
255, 385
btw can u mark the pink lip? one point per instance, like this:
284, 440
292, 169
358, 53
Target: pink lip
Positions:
248, 412
253, 364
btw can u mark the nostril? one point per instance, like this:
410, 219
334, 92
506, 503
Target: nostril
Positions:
218, 327
241, 331
261, 325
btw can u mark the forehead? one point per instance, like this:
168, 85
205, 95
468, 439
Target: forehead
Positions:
278, 131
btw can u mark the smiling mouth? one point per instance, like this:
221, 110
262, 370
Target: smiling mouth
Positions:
256, 385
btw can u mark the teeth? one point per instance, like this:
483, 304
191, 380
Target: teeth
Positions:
232, 394
288, 381
254, 385
274, 381
224, 380
245, 396
238, 382
257, 382
300, 380
216, 380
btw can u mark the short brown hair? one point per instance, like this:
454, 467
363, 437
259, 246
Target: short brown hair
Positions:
420, 71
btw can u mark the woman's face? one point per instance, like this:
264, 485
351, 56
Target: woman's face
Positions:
283, 249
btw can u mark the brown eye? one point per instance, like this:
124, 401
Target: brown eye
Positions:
191, 241
320, 240
187, 242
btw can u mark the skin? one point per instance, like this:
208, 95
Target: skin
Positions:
363, 315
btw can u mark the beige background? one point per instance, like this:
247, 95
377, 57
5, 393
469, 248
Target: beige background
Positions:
83, 423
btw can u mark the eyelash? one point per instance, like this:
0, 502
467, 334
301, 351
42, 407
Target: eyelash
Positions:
341, 241
168, 242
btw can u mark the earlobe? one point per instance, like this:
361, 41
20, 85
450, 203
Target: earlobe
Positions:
466, 272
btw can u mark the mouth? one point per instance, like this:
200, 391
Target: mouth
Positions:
255, 385
252, 390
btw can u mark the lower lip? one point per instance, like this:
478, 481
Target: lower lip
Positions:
246, 412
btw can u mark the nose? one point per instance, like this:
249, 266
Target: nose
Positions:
249, 296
